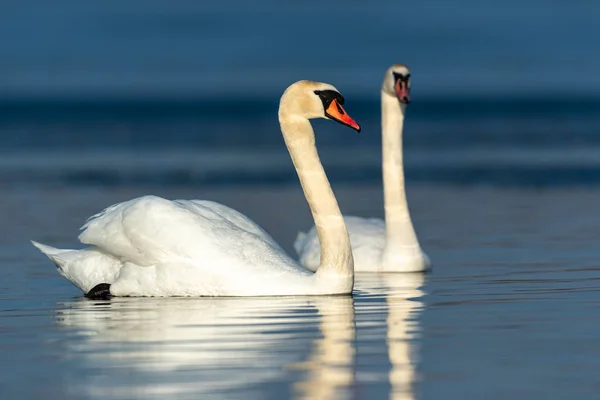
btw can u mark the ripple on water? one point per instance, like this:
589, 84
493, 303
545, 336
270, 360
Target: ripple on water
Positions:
236, 348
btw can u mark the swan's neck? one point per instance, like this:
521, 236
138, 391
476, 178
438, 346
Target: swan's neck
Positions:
400, 233
336, 254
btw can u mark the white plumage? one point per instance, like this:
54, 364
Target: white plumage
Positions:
157, 247
377, 245
367, 237
150, 246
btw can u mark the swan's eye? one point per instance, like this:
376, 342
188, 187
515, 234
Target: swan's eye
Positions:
327, 96
398, 76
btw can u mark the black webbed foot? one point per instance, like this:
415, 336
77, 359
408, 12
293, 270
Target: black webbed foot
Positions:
99, 292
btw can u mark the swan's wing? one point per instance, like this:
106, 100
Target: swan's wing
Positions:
107, 230
367, 237
235, 217
308, 248
151, 231
300, 242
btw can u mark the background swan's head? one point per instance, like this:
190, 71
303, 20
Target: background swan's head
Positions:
308, 99
396, 82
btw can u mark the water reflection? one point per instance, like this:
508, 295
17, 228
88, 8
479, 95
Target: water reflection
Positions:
247, 348
330, 367
398, 296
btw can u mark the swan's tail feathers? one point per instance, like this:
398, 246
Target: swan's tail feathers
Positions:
84, 268
299, 243
54, 254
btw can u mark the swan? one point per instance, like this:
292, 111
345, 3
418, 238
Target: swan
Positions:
150, 246
390, 245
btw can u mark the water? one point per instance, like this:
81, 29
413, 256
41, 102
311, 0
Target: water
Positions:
509, 310
102, 103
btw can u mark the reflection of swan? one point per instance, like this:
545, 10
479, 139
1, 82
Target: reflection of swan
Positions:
402, 293
207, 348
330, 367
155, 247
377, 245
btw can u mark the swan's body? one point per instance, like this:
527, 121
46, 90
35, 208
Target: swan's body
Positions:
150, 246
377, 245
155, 247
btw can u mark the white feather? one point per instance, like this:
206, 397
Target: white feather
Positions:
378, 248
151, 246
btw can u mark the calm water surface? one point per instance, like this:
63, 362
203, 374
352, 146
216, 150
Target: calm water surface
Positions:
510, 310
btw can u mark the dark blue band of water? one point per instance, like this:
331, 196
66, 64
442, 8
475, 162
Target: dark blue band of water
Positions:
155, 123
435, 127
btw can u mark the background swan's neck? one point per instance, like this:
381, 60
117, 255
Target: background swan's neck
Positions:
400, 233
336, 254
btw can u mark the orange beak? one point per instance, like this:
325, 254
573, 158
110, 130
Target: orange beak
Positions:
337, 113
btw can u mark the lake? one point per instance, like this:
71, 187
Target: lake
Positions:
508, 311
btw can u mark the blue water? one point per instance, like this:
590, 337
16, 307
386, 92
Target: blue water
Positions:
499, 89
101, 102
508, 311
498, 141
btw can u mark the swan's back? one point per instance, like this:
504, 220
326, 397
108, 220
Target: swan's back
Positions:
367, 237
201, 244
233, 216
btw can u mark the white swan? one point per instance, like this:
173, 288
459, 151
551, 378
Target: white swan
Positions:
150, 246
389, 246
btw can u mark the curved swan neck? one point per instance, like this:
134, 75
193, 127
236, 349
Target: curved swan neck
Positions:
336, 254
399, 228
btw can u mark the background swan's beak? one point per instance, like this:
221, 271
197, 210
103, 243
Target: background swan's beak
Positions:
337, 113
402, 91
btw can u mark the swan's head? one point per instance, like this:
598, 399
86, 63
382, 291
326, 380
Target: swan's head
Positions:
396, 82
307, 99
